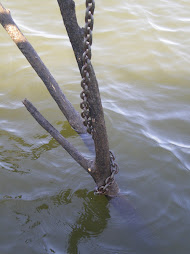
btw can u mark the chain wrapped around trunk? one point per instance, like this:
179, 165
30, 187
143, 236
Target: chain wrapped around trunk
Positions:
86, 57
110, 179
85, 83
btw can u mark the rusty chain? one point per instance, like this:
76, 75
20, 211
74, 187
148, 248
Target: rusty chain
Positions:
85, 83
86, 57
110, 179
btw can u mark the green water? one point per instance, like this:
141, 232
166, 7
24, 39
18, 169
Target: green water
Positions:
141, 55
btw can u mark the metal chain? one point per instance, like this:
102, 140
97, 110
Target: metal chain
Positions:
85, 83
86, 57
110, 179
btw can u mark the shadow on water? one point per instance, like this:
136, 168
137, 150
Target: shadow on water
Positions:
75, 217
138, 234
95, 216
91, 222
55, 224
70, 222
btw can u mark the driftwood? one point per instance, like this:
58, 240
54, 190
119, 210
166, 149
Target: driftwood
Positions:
100, 168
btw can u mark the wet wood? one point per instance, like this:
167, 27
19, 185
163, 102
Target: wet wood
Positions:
28, 51
75, 33
100, 168
78, 157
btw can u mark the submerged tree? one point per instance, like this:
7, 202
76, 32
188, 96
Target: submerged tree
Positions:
91, 123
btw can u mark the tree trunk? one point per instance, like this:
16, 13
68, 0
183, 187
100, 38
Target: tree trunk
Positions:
100, 168
75, 33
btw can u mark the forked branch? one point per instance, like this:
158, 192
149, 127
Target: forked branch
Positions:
102, 168
28, 51
75, 33
78, 157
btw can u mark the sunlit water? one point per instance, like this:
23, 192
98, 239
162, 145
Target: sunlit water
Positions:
141, 55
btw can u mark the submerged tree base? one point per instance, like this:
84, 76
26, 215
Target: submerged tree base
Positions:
101, 168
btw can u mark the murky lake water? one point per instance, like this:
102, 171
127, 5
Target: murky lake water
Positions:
141, 55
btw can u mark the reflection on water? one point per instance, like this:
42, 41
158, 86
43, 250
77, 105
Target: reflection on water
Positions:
21, 149
141, 56
48, 223
92, 220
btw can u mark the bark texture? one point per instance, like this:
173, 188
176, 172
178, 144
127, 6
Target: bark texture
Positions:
100, 168
75, 33
28, 51
78, 157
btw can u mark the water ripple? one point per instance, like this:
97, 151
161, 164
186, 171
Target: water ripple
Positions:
141, 56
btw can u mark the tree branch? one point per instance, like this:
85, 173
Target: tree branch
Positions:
78, 157
28, 51
75, 33
100, 169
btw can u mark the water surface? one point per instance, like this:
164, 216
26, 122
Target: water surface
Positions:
141, 55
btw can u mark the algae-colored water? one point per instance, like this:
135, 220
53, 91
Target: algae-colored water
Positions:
141, 55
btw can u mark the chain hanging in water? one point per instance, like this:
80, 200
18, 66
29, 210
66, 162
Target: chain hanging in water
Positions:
86, 57
110, 179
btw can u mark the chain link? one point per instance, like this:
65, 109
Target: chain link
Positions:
110, 179
85, 83
86, 57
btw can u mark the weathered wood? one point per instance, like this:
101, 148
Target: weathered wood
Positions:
87, 164
99, 169
78, 157
75, 33
28, 51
